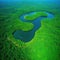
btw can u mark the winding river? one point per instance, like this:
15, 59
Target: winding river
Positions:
26, 36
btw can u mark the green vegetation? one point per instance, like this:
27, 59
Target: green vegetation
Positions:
46, 43
35, 15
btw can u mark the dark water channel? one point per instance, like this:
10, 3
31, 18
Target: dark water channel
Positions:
26, 36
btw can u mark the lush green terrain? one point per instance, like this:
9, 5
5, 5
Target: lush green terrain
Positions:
35, 15
46, 43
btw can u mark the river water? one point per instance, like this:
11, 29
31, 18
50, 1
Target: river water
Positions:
26, 36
